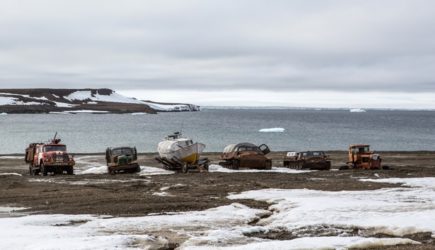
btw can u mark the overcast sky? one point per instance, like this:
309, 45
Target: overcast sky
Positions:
281, 53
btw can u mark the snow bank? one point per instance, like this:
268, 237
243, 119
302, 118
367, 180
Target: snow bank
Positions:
271, 130
393, 211
92, 232
3, 113
146, 170
218, 168
316, 243
357, 110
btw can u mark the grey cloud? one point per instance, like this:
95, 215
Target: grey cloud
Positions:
214, 45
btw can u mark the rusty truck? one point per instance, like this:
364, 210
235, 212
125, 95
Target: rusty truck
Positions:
246, 155
122, 159
50, 157
361, 157
316, 160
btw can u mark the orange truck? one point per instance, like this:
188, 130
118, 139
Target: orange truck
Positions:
360, 157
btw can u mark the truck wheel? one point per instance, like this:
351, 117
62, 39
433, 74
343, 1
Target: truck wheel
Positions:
70, 170
185, 168
43, 170
137, 169
236, 164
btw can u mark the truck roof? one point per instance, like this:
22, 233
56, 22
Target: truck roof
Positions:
358, 145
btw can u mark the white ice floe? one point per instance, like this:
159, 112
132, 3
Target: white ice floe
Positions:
138, 113
357, 110
271, 130
9, 174
146, 170
391, 211
92, 232
219, 168
314, 243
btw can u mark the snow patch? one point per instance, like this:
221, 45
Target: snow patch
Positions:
219, 168
391, 211
316, 243
10, 174
114, 97
92, 232
146, 170
95, 170
3, 113
272, 130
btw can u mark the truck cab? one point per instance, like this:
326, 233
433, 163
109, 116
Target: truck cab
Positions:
360, 156
122, 159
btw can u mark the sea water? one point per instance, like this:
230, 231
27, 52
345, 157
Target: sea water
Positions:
286, 129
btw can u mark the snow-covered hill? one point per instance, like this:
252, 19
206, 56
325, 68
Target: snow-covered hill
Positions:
80, 100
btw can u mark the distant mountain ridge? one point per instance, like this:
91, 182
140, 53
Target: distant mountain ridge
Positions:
88, 100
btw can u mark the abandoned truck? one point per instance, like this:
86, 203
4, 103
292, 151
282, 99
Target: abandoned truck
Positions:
360, 157
316, 160
246, 155
49, 157
181, 154
122, 159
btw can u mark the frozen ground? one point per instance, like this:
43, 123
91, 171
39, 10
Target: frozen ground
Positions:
303, 219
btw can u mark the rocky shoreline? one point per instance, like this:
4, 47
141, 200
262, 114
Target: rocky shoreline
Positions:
35, 101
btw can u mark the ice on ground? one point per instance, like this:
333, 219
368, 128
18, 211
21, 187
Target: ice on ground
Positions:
9, 174
163, 194
94, 170
92, 232
3, 113
272, 130
391, 211
219, 168
146, 170
428, 182
315, 243
138, 113
358, 110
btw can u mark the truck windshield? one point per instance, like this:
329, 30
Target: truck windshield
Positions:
51, 148
122, 151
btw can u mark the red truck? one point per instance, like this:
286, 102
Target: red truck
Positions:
49, 157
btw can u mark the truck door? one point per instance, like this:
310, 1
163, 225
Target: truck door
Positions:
264, 148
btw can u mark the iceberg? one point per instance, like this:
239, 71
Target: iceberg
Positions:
271, 130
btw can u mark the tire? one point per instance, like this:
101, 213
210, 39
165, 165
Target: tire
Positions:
69, 170
137, 169
185, 168
235, 164
44, 170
